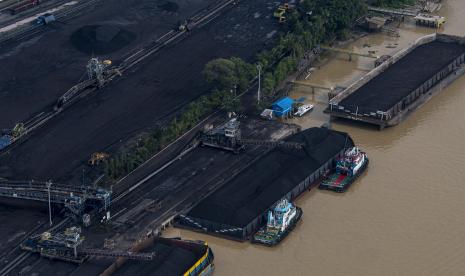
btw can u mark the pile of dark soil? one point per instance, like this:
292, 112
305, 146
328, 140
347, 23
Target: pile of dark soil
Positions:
101, 39
169, 6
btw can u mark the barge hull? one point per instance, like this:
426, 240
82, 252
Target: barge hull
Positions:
390, 92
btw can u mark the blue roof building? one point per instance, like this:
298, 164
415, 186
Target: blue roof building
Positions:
282, 107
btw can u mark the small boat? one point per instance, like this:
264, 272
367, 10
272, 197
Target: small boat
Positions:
280, 221
301, 110
348, 168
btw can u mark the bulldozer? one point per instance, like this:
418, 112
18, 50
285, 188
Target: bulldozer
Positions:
97, 157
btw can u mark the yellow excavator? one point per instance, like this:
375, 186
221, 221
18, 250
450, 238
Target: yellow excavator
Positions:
18, 130
281, 12
98, 157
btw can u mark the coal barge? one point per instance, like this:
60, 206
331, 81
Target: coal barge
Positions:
173, 257
404, 82
240, 207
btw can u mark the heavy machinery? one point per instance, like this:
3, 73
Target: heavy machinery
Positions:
280, 12
98, 70
45, 19
97, 157
228, 137
99, 73
76, 200
8, 136
18, 130
67, 246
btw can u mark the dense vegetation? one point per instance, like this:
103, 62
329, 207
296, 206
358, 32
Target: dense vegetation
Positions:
307, 26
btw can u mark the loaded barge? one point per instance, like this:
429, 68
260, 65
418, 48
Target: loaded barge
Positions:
241, 206
393, 90
173, 257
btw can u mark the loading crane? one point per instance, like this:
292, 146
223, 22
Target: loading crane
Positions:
68, 246
228, 137
76, 200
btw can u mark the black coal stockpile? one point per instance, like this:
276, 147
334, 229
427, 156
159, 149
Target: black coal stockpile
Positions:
400, 79
101, 39
170, 260
269, 179
169, 6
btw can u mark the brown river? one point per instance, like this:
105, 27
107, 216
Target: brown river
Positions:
405, 215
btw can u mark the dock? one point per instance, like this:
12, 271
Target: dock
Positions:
391, 91
239, 208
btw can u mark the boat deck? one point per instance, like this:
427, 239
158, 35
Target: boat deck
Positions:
336, 181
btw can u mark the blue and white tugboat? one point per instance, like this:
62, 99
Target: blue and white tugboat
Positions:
280, 221
348, 168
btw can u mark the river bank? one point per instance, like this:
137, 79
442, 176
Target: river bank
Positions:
404, 216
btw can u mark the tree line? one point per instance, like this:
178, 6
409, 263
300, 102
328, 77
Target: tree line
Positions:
308, 25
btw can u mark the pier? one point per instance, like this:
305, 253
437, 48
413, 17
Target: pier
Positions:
348, 52
239, 208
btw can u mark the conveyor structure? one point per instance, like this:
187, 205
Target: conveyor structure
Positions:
67, 246
75, 199
228, 137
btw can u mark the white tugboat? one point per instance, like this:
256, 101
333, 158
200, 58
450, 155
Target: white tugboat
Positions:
280, 221
301, 110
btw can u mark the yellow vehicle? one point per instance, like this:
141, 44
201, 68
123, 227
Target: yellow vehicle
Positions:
98, 157
18, 130
281, 12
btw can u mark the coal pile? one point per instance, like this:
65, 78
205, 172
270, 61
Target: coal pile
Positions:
255, 189
403, 77
169, 6
101, 39
171, 259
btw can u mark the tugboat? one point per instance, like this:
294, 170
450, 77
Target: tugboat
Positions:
280, 221
348, 168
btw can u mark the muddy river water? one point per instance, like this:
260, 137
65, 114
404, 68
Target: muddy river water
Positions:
405, 215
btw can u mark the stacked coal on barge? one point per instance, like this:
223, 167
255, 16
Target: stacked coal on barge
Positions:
240, 207
173, 257
391, 91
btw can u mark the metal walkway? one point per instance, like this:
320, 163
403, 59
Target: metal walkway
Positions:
272, 144
115, 254
393, 11
75, 199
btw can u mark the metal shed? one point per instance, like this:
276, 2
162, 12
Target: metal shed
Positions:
282, 107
